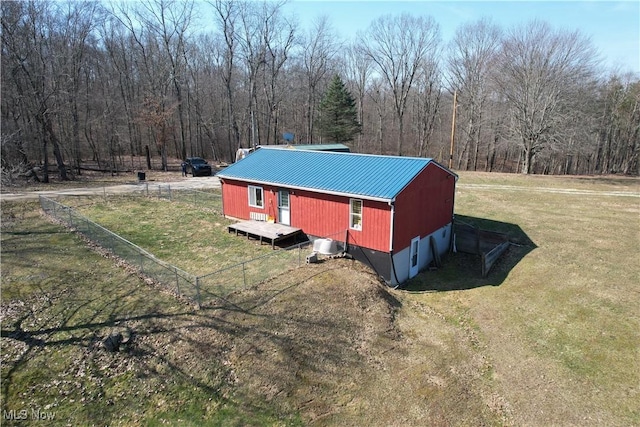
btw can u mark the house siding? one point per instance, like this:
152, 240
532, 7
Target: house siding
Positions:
324, 215
425, 205
317, 214
236, 200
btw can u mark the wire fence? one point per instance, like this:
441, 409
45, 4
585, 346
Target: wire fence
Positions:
248, 274
171, 277
199, 289
198, 198
211, 199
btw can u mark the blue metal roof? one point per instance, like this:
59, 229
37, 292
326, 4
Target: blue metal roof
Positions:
350, 174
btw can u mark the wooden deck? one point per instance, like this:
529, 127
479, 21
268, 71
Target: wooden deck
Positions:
264, 231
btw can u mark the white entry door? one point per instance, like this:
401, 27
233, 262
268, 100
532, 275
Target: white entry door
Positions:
284, 214
413, 257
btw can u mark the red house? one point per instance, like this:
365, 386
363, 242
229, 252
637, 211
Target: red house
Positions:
396, 210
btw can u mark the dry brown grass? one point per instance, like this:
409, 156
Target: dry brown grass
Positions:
339, 348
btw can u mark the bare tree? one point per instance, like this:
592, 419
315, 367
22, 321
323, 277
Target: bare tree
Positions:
539, 72
279, 38
318, 50
472, 53
257, 21
399, 45
158, 45
227, 17
495, 115
121, 59
169, 21
209, 98
379, 97
77, 23
29, 33
358, 67
253, 53
427, 104
618, 129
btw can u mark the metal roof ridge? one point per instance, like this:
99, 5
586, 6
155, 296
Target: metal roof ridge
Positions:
391, 156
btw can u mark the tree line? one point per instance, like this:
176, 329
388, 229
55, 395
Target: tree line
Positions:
110, 84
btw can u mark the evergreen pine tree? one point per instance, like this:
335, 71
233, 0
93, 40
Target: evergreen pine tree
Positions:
338, 121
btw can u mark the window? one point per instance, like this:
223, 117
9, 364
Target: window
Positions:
255, 197
355, 214
284, 199
415, 244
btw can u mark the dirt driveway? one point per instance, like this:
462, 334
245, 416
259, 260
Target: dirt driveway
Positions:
195, 183
209, 182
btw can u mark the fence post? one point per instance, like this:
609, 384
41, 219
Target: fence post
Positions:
141, 263
346, 241
198, 292
169, 190
175, 270
244, 276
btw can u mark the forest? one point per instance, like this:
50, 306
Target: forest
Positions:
90, 85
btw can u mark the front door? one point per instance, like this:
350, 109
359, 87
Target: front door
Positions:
284, 214
413, 257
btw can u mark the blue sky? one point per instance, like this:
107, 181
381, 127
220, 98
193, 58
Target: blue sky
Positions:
614, 26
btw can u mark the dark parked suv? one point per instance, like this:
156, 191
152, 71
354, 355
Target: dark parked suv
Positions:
198, 166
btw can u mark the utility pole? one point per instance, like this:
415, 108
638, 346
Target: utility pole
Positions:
453, 126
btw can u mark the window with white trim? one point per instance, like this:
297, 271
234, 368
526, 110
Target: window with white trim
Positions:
255, 197
355, 214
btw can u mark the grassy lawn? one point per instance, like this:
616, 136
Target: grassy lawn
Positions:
195, 240
593, 183
550, 337
560, 330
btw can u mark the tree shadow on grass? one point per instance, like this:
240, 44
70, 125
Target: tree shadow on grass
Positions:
460, 271
71, 343
160, 341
